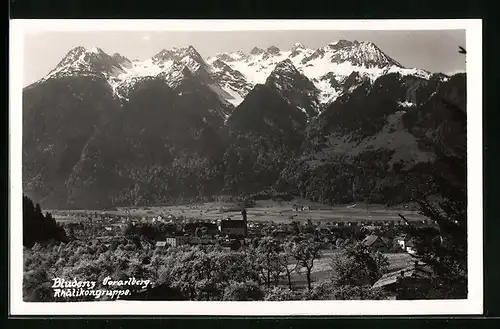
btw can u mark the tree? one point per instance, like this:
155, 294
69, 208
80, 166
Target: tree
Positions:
71, 232
32, 280
39, 228
268, 250
306, 252
284, 260
295, 227
444, 246
279, 294
205, 273
327, 290
243, 291
137, 241
154, 266
358, 266
129, 229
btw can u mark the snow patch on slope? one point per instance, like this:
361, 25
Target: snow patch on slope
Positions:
145, 69
235, 98
406, 104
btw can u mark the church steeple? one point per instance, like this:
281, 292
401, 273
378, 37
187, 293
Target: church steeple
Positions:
244, 217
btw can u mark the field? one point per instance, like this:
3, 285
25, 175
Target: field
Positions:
266, 210
322, 267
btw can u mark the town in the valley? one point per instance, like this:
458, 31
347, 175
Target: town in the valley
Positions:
235, 228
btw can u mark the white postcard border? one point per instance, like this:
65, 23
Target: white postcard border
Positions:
472, 305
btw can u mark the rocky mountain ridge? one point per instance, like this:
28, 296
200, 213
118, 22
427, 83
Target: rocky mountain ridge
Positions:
333, 124
232, 75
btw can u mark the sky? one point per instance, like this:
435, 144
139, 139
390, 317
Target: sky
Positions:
432, 50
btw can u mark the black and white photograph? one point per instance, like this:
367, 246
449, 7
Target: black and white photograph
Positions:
203, 163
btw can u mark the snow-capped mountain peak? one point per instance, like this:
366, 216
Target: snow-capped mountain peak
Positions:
95, 50
93, 61
361, 54
298, 45
285, 66
163, 56
294, 87
232, 75
273, 50
188, 55
326, 66
172, 65
122, 60
364, 53
256, 51
73, 55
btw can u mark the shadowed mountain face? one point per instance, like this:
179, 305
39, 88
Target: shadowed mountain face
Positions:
103, 131
295, 88
363, 111
365, 146
99, 151
59, 118
265, 112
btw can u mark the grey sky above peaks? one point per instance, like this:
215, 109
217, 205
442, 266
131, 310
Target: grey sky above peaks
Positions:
435, 51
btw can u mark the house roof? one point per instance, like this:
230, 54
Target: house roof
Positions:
161, 243
370, 240
369, 227
388, 278
420, 271
233, 224
177, 237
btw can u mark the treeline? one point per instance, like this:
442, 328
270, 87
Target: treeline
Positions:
263, 169
37, 227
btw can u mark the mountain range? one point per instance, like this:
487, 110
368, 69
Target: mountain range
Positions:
331, 124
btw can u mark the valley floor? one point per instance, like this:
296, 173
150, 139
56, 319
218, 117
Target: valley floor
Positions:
264, 210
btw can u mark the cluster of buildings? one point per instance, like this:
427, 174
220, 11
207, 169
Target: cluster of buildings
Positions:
403, 283
228, 233
380, 243
229, 230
